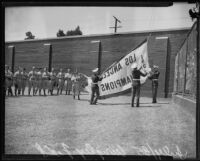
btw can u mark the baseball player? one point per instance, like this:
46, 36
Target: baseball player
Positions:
68, 82
24, 80
52, 81
32, 81
60, 78
154, 77
8, 80
76, 85
39, 81
94, 86
136, 84
18, 81
45, 79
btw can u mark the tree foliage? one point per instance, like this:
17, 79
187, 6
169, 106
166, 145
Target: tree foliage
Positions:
77, 31
60, 33
29, 35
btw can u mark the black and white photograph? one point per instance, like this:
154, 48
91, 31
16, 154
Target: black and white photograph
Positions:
102, 80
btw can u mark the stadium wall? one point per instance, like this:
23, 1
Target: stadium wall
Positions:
79, 53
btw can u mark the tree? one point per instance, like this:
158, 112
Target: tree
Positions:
77, 31
29, 35
60, 33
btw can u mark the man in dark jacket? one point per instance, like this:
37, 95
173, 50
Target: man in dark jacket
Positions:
154, 77
136, 84
94, 87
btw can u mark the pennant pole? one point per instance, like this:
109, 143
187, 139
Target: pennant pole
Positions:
99, 54
99, 57
148, 37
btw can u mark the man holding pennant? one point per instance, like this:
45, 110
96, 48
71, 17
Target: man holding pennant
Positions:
95, 87
138, 80
154, 77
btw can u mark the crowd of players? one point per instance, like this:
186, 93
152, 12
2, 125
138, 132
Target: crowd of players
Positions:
41, 81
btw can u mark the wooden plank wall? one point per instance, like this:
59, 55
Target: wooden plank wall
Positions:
79, 53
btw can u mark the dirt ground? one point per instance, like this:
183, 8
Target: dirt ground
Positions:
61, 125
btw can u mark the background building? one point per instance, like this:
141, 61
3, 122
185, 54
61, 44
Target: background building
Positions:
79, 53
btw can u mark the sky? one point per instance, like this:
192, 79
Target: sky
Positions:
44, 22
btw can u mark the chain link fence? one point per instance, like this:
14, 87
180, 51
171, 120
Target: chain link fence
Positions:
185, 66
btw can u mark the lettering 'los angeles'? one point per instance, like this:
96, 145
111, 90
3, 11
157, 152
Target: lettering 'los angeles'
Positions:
112, 70
130, 60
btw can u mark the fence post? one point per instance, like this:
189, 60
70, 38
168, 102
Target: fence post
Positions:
184, 90
13, 58
198, 87
50, 57
167, 72
178, 74
99, 57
